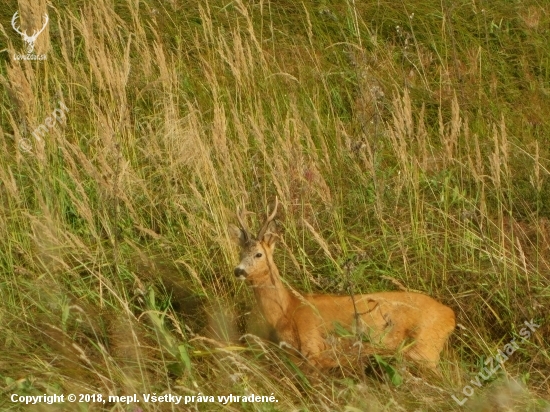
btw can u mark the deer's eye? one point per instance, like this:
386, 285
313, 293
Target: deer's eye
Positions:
258, 255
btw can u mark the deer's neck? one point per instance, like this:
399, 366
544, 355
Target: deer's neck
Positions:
272, 296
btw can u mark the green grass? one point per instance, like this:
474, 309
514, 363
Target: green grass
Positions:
412, 145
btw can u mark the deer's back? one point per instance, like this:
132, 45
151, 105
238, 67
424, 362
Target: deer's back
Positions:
377, 310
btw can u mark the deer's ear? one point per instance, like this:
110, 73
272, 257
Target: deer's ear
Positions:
270, 236
237, 235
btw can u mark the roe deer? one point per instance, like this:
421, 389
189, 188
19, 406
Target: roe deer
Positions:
305, 322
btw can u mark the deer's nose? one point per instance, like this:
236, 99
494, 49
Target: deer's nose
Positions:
239, 272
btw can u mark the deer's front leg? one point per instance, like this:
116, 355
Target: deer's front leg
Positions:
315, 348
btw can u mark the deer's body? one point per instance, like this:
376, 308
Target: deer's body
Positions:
305, 322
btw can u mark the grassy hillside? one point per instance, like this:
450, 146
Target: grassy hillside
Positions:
408, 145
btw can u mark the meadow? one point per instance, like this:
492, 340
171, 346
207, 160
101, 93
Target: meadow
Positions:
407, 143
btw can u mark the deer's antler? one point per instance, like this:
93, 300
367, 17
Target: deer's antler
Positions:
241, 216
268, 220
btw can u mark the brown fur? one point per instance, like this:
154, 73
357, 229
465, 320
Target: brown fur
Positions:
389, 319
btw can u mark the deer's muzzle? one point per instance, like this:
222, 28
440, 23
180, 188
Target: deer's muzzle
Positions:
240, 272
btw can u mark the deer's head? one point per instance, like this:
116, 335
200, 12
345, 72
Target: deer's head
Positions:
256, 251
